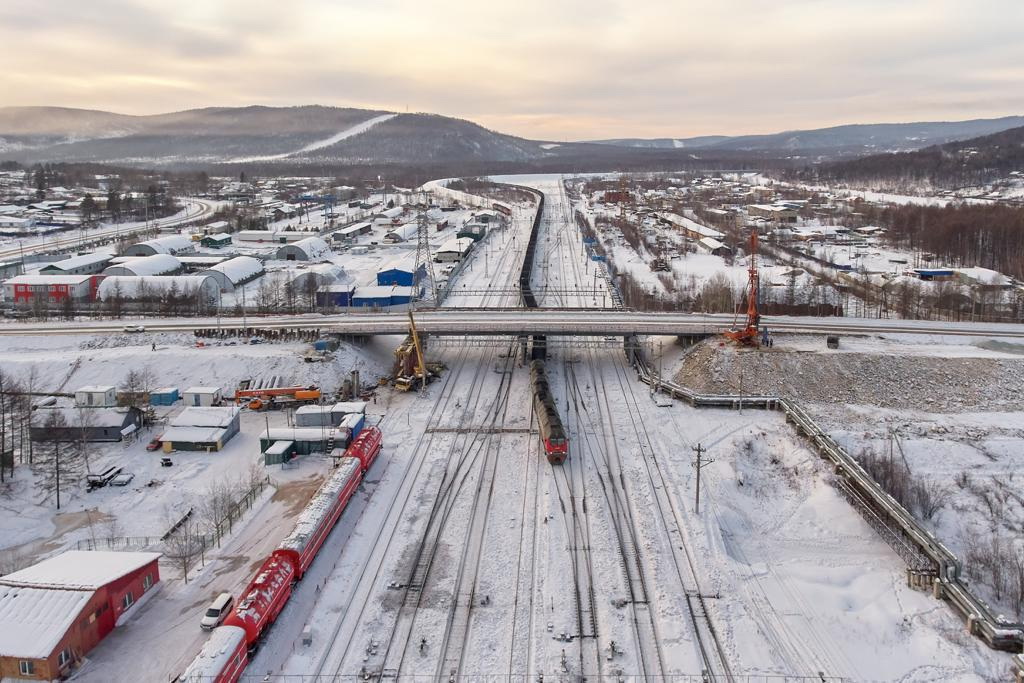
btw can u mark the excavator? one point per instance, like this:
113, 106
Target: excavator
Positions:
747, 335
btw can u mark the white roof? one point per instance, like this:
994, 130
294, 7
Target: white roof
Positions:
303, 434
351, 420
711, 243
33, 620
156, 264
130, 285
83, 260
205, 416
82, 417
239, 268
349, 407
193, 434
47, 279
314, 247
459, 245
95, 389
279, 447
374, 291
202, 390
692, 226
403, 232
79, 569
170, 244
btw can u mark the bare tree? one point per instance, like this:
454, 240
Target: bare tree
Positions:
58, 463
185, 542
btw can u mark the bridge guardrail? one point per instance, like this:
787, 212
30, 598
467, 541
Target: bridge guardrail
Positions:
946, 581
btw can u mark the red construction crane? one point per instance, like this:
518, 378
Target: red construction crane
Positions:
748, 334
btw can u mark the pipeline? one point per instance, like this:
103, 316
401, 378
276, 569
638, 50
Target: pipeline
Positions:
946, 571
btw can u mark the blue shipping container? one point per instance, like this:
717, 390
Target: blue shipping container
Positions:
164, 397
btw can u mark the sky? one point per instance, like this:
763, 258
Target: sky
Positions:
543, 69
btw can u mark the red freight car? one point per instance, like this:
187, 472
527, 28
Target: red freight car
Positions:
320, 515
366, 446
264, 598
222, 659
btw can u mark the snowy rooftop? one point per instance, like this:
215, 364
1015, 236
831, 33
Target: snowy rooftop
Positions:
194, 416
193, 434
79, 570
82, 260
33, 620
47, 279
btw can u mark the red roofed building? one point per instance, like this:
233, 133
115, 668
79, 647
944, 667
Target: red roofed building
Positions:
54, 612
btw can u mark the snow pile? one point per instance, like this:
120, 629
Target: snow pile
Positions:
876, 378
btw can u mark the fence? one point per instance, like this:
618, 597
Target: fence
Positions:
930, 563
239, 507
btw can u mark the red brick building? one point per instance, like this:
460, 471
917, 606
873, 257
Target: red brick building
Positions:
54, 612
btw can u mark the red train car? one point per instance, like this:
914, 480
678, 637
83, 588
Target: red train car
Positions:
320, 515
264, 598
222, 659
366, 446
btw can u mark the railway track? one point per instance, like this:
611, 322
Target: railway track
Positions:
570, 486
604, 452
712, 653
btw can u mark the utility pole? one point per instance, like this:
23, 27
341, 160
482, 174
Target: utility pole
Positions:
700, 462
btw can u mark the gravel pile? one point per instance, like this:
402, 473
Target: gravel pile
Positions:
889, 381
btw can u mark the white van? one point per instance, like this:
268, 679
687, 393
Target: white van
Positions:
217, 611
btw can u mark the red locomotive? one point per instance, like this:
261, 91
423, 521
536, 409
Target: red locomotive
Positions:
225, 655
552, 433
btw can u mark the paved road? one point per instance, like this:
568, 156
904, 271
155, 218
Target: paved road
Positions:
540, 321
194, 209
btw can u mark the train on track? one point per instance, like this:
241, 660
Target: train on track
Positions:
227, 652
552, 433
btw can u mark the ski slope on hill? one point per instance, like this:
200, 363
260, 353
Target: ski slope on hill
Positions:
326, 142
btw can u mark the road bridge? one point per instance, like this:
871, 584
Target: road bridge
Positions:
546, 321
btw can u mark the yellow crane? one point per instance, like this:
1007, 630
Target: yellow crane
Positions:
409, 378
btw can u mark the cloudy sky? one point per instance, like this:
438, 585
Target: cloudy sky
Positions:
554, 69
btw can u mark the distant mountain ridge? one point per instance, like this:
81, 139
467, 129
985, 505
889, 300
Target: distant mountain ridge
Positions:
846, 139
953, 164
303, 136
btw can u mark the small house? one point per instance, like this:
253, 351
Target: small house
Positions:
92, 425
218, 241
201, 429
202, 396
96, 397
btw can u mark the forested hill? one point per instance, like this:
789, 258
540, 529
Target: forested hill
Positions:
954, 164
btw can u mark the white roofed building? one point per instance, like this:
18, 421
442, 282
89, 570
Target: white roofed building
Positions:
54, 612
234, 272
307, 249
170, 244
190, 287
157, 264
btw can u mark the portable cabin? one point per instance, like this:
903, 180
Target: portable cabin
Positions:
164, 396
202, 396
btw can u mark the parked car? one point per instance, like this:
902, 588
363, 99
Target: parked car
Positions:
154, 445
215, 613
134, 328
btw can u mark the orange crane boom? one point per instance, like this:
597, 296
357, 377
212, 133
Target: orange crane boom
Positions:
748, 334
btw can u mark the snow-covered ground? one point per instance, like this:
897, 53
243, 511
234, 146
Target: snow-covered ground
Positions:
792, 581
